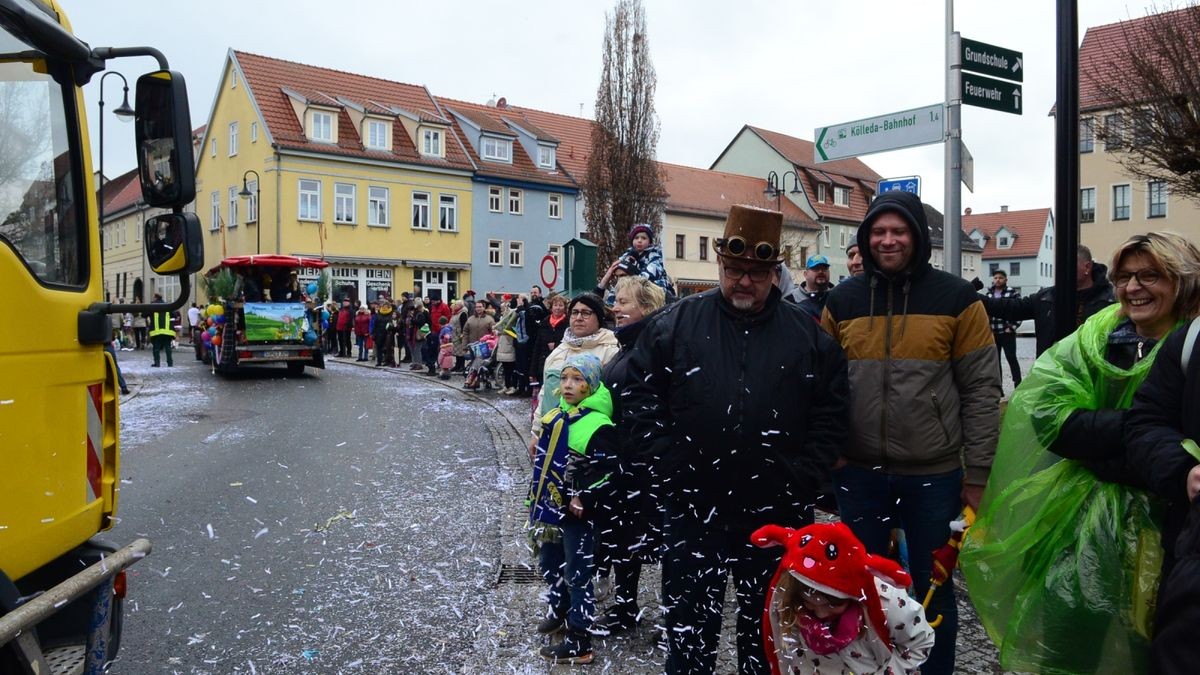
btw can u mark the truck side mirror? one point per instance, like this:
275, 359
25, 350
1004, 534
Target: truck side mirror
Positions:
163, 133
174, 243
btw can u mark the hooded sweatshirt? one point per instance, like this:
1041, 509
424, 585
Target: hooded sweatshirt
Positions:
923, 369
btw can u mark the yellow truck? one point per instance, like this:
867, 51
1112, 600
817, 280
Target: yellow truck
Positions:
60, 585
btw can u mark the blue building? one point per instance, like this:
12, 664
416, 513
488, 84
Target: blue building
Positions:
524, 202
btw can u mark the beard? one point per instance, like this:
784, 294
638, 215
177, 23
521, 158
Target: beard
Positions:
742, 304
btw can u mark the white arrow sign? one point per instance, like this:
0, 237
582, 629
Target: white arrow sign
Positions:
904, 129
1017, 65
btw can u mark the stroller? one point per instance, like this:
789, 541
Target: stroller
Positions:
481, 369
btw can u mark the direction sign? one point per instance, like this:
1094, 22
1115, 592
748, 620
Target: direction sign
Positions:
968, 168
906, 184
904, 129
979, 57
986, 92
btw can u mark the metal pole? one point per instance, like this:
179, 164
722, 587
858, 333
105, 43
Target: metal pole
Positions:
1066, 170
952, 222
258, 210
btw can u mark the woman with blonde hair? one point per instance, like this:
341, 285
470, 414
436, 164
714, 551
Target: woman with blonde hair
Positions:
1067, 542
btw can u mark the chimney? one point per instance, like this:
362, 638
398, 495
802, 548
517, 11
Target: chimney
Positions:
967, 212
1004, 208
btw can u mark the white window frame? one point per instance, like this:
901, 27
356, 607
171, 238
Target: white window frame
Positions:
556, 251
496, 149
377, 136
516, 254
420, 210
378, 206
495, 199
554, 206
517, 197
345, 203
216, 211
254, 132
1128, 201
546, 157
233, 206
841, 196
212, 147
317, 128
821, 192
495, 252
431, 142
309, 205
703, 248
1081, 206
447, 213
252, 202
1150, 188
233, 139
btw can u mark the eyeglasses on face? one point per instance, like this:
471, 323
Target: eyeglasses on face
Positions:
737, 246
583, 313
1145, 277
757, 275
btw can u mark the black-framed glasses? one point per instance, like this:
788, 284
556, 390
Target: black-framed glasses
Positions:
583, 313
1145, 277
757, 275
737, 245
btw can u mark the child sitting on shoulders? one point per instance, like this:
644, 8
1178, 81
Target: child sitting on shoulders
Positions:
575, 455
642, 258
834, 608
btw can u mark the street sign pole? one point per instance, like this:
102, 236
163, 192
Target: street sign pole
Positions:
952, 222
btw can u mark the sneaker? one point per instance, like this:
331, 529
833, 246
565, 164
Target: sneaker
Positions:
576, 648
551, 625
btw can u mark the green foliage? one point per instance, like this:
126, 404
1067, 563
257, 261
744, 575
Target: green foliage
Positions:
323, 286
218, 286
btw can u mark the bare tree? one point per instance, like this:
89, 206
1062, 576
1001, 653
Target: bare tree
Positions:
1149, 84
624, 184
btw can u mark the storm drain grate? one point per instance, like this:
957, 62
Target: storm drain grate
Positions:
518, 574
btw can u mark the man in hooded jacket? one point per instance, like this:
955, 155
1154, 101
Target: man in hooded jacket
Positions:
925, 385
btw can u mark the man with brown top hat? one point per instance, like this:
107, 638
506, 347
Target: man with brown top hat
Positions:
742, 402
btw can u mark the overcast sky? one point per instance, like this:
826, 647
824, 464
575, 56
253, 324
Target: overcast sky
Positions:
788, 66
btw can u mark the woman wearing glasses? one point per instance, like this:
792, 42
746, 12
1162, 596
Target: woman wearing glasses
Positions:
1063, 503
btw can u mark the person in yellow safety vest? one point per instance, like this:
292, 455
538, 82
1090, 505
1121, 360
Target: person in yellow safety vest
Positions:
161, 333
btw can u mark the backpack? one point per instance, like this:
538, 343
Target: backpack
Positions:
519, 327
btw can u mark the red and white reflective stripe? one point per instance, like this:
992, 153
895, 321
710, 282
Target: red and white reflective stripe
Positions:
95, 438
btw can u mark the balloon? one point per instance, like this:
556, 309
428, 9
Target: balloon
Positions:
209, 321
220, 320
205, 337
212, 331
215, 310
216, 341
324, 315
312, 288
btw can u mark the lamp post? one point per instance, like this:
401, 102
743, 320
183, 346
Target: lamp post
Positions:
123, 113
246, 194
776, 184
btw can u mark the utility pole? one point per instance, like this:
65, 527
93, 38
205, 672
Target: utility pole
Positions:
1066, 170
952, 223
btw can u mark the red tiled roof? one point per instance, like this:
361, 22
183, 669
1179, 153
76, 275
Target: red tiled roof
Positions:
710, 193
801, 153
1104, 56
1027, 228
574, 136
522, 167
122, 192
267, 78
528, 126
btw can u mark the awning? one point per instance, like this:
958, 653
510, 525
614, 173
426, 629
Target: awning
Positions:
392, 262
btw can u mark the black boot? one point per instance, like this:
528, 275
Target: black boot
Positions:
551, 625
576, 648
617, 620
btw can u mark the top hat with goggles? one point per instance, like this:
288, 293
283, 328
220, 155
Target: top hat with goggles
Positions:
751, 234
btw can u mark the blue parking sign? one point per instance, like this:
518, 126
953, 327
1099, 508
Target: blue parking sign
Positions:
906, 184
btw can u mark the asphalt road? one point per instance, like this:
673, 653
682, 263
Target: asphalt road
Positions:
343, 521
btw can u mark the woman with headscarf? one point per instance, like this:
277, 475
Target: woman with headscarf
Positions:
1067, 542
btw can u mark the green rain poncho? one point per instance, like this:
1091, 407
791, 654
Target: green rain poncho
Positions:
1062, 567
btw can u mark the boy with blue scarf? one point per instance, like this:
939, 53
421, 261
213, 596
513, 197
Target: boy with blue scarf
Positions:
575, 455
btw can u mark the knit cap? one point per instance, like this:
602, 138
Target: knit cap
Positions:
641, 228
588, 366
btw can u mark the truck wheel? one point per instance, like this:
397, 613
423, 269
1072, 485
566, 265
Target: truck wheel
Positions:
295, 367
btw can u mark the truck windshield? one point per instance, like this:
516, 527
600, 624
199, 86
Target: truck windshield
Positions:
39, 213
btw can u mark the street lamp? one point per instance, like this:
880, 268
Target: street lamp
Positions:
123, 113
776, 184
246, 194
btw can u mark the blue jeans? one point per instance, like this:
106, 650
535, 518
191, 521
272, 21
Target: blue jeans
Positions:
872, 503
120, 378
362, 348
567, 569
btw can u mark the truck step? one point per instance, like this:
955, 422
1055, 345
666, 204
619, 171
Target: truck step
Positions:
67, 660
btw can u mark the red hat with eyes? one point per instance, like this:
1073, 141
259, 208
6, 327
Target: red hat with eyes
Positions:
828, 557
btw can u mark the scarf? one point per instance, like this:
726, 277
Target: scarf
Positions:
829, 638
574, 340
554, 322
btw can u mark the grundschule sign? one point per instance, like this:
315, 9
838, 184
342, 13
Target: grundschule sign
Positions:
979, 57
904, 129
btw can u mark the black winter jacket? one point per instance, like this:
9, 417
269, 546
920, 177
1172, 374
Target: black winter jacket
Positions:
1040, 306
1166, 410
743, 416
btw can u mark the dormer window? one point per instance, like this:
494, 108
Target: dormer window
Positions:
497, 149
431, 142
321, 126
841, 196
1003, 241
377, 134
545, 157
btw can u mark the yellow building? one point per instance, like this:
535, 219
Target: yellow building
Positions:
363, 172
1114, 205
127, 275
